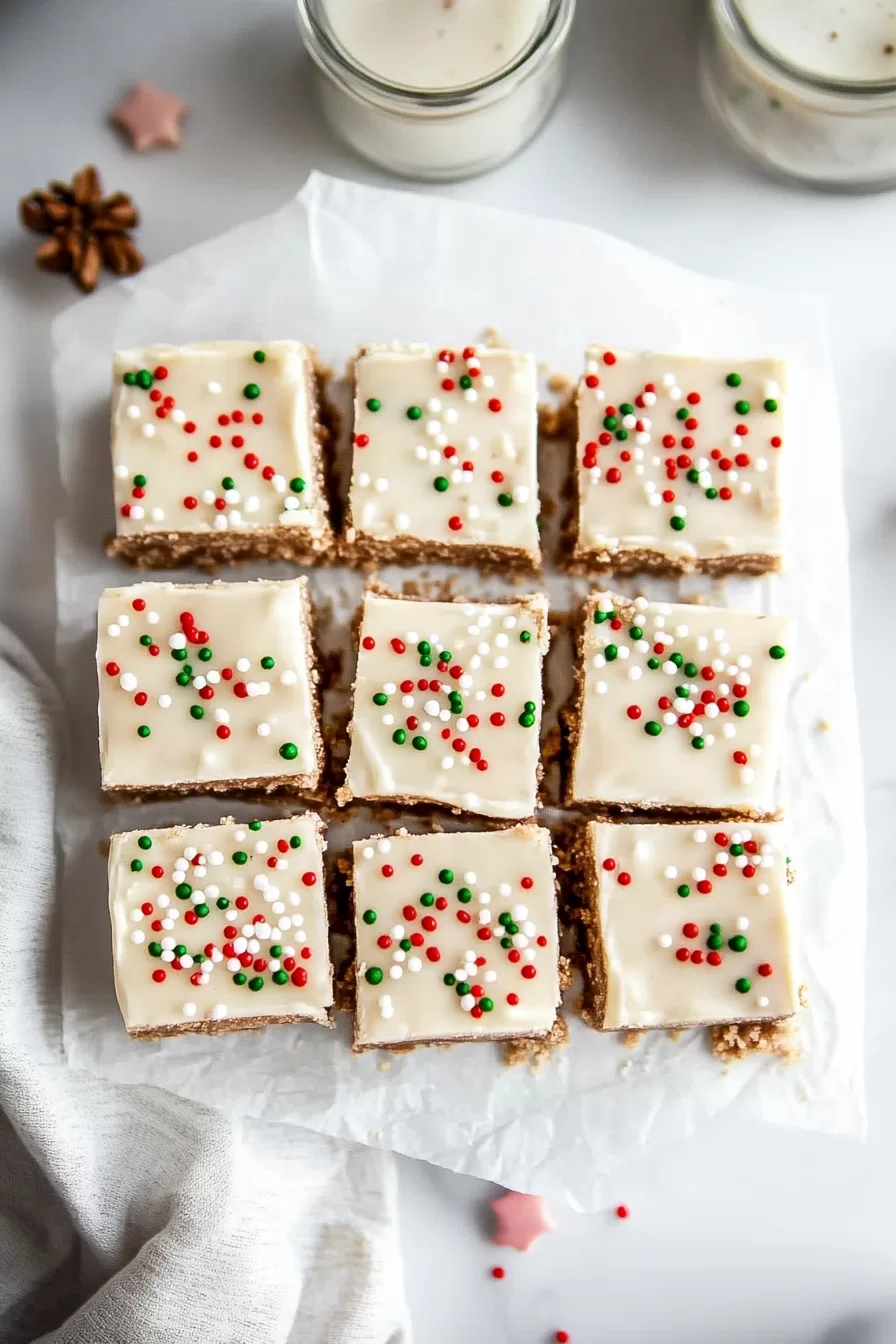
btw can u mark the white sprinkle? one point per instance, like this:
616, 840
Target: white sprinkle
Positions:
743, 923
214, 388
447, 762
243, 664
189, 1010
762, 1001
148, 431
138, 936
133, 412
665, 940
671, 873
395, 972
127, 681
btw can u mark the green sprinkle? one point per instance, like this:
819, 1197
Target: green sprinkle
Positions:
373, 975
136, 865
714, 941
611, 653
129, 379
690, 670
256, 983
627, 408
399, 737
205, 654
622, 435
736, 851
505, 500
441, 484
446, 876
251, 391
374, 404
239, 978
201, 909
698, 743
254, 825
419, 743
682, 413
297, 485
461, 989
183, 678
733, 380
289, 751
405, 944
180, 950
155, 949
267, 662
146, 640
507, 942
140, 480
424, 647
677, 659
449, 980
223, 903
381, 698
504, 918
276, 950
240, 857
652, 728
715, 928
693, 475
197, 712
742, 407
684, 889
712, 493
527, 720
464, 895
653, 663
144, 378
414, 413
445, 656
179, 654
635, 632
512, 927
529, 706
228, 483
486, 1004
144, 730
743, 986
280, 977
777, 651
465, 381
525, 636
741, 708
258, 356
677, 523
369, 916
610, 422
427, 898
738, 943
183, 890
295, 842
144, 842
770, 404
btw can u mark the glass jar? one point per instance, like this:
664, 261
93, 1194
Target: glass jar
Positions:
806, 125
438, 134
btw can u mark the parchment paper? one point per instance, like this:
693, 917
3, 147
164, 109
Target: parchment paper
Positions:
344, 264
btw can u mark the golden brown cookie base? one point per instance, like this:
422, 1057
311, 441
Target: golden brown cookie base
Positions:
365, 552
600, 560
208, 550
403, 1047
282, 786
225, 1025
604, 810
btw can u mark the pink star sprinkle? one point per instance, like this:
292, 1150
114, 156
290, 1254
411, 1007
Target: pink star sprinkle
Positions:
150, 116
521, 1220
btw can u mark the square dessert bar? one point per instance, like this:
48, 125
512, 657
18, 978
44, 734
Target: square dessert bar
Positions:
208, 688
447, 704
456, 937
680, 709
678, 464
220, 928
689, 925
216, 454
445, 449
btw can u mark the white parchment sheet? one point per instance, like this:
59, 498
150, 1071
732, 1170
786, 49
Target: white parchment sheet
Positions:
344, 264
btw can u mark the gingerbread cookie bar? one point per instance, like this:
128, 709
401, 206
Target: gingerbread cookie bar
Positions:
208, 688
445, 457
678, 464
217, 455
679, 709
690, 925
220, 928
447, 704
456, 937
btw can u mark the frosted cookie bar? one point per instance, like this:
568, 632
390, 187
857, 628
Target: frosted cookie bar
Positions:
220, 928
679, 709
678, 464
216, 455
456, 937
444, 457
689, 925
447, 704
208, 688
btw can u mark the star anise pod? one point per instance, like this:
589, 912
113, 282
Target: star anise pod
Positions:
87, 229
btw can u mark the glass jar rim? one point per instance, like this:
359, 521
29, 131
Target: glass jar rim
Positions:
739, 27
332, 57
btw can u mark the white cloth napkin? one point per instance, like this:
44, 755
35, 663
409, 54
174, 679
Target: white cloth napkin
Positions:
126, 1213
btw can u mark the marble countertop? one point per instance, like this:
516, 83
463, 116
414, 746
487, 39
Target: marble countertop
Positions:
631, 151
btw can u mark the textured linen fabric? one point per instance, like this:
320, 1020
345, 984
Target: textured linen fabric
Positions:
128, 1214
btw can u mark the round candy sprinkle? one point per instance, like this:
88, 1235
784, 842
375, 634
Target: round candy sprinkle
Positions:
258, 356
414, 413
251, 391
373, 975
733, 380
743, 986
289, 751
369, 916
777, 651
373, 404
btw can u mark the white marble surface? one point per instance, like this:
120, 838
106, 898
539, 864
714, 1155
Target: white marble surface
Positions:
809, 1219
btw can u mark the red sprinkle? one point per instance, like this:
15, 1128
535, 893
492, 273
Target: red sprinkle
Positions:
621, 1210
497, 1272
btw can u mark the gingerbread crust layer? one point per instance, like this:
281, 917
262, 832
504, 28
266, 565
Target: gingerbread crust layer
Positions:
595, 969
401, 1047
360, 550
600, 560
344, 794
607, 809
207, 550
279, 786
321, 1017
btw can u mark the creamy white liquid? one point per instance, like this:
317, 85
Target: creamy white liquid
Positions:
853, 40
434, 44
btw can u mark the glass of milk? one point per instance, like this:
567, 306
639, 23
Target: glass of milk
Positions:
807, 87
436, 89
